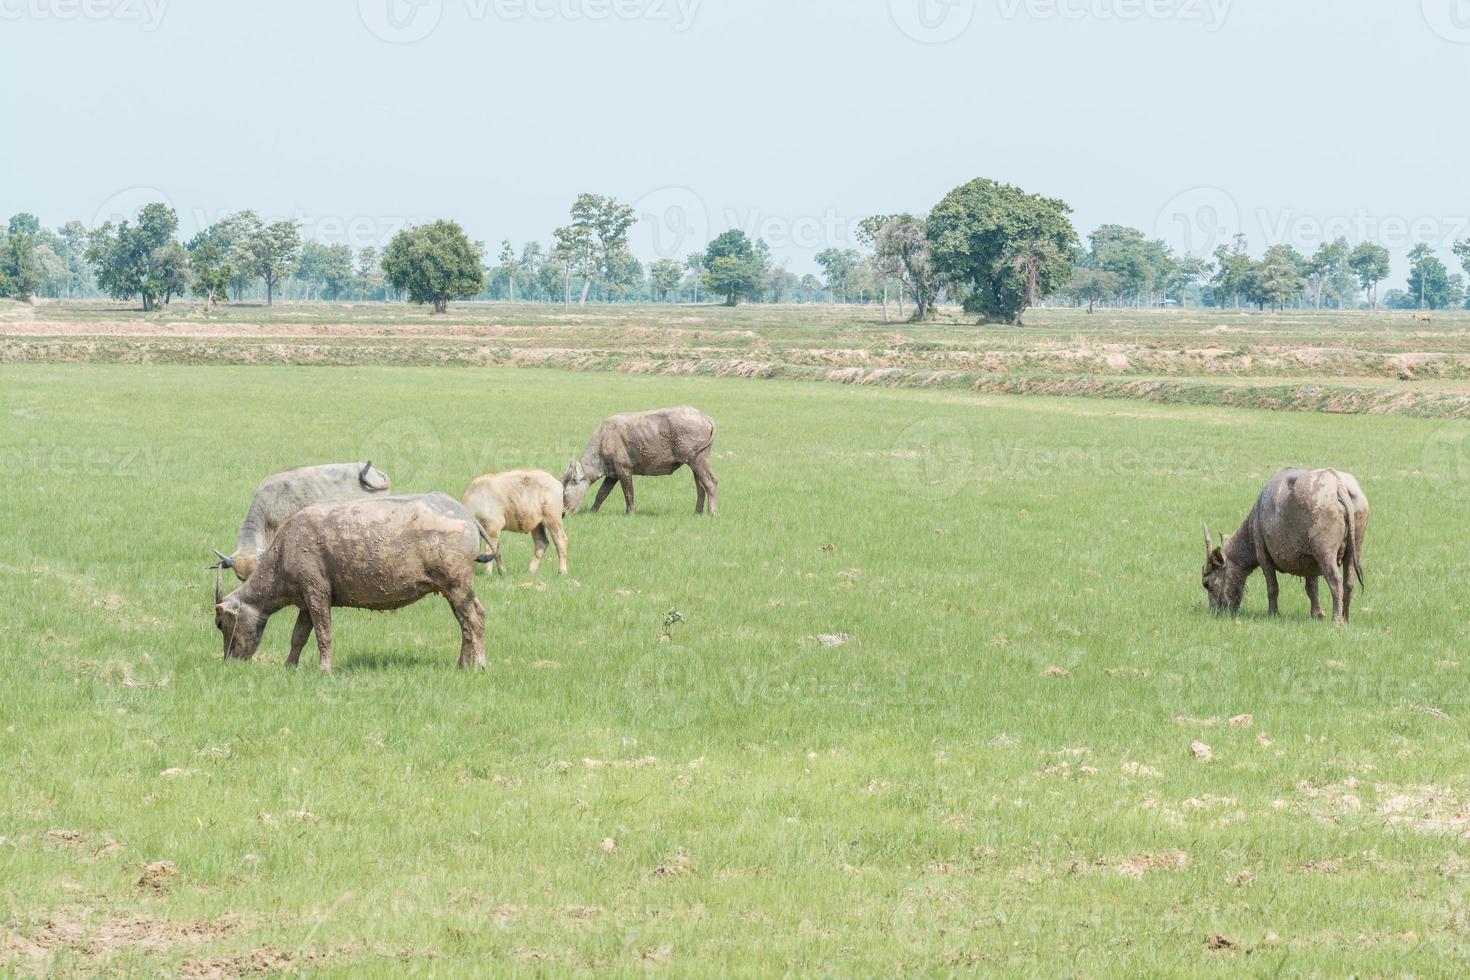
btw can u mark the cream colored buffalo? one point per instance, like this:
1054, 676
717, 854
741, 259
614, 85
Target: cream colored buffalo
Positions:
523, 502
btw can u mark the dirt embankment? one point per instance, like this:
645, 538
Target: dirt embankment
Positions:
1089, 374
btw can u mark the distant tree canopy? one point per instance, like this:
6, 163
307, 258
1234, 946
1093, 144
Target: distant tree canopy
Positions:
1005, 248
988, 247
434, 263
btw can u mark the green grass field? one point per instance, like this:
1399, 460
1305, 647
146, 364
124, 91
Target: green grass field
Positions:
985, 766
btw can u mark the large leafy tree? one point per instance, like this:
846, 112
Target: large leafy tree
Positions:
840, 267
510, 265
1371, 264
1004, 248
325, 270
209, 264
901, 247
666, 275
368, 280
1323, 267
603, 223
218, 260
1123, 252
1233, 272
576, 251
1092, 285
271, 252
734, 267
134, 260
695, 264
1278, 279
435, 263
20, 266
1462, 251
1431, 285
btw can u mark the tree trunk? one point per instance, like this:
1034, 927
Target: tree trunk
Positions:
885, 303
900, 301
586, 288
441, 305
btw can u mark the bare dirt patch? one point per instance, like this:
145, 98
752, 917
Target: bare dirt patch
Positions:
107, 936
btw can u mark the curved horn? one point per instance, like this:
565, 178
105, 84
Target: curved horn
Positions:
224, 560
362, 477
219, 587
1209, 545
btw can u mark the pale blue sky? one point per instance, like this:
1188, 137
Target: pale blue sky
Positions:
792, 118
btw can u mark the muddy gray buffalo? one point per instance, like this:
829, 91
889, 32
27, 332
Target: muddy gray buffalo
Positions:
381, 553
644, 444
283, 494
1307, 523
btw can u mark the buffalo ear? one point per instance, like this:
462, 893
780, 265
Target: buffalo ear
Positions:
1217, 558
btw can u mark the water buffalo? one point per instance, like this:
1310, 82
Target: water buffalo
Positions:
380, 553
281, 495
1308, 523
522, 501
644, 444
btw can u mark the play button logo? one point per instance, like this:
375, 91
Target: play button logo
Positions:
400, 21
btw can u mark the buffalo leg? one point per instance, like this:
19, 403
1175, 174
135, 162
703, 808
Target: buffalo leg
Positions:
538, 536
471, 616
602, 493
321, 621
708, 484
499, 558
559, 538
1348, 588
1313, 597
698, 496
1334, 586
627, 482
1273, 589
299, 637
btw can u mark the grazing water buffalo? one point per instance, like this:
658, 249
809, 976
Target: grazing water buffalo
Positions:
1308, 523
524, 502
281, 495
644, 444
381, 553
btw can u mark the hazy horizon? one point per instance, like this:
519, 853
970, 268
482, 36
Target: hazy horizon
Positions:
1189, 119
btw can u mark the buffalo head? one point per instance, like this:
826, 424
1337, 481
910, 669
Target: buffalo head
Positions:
374, 480
241, 625
1215, 578
574, 487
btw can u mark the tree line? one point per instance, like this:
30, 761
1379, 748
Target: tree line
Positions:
991, 248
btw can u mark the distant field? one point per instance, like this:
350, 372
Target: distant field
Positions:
930, 709
1353, 362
